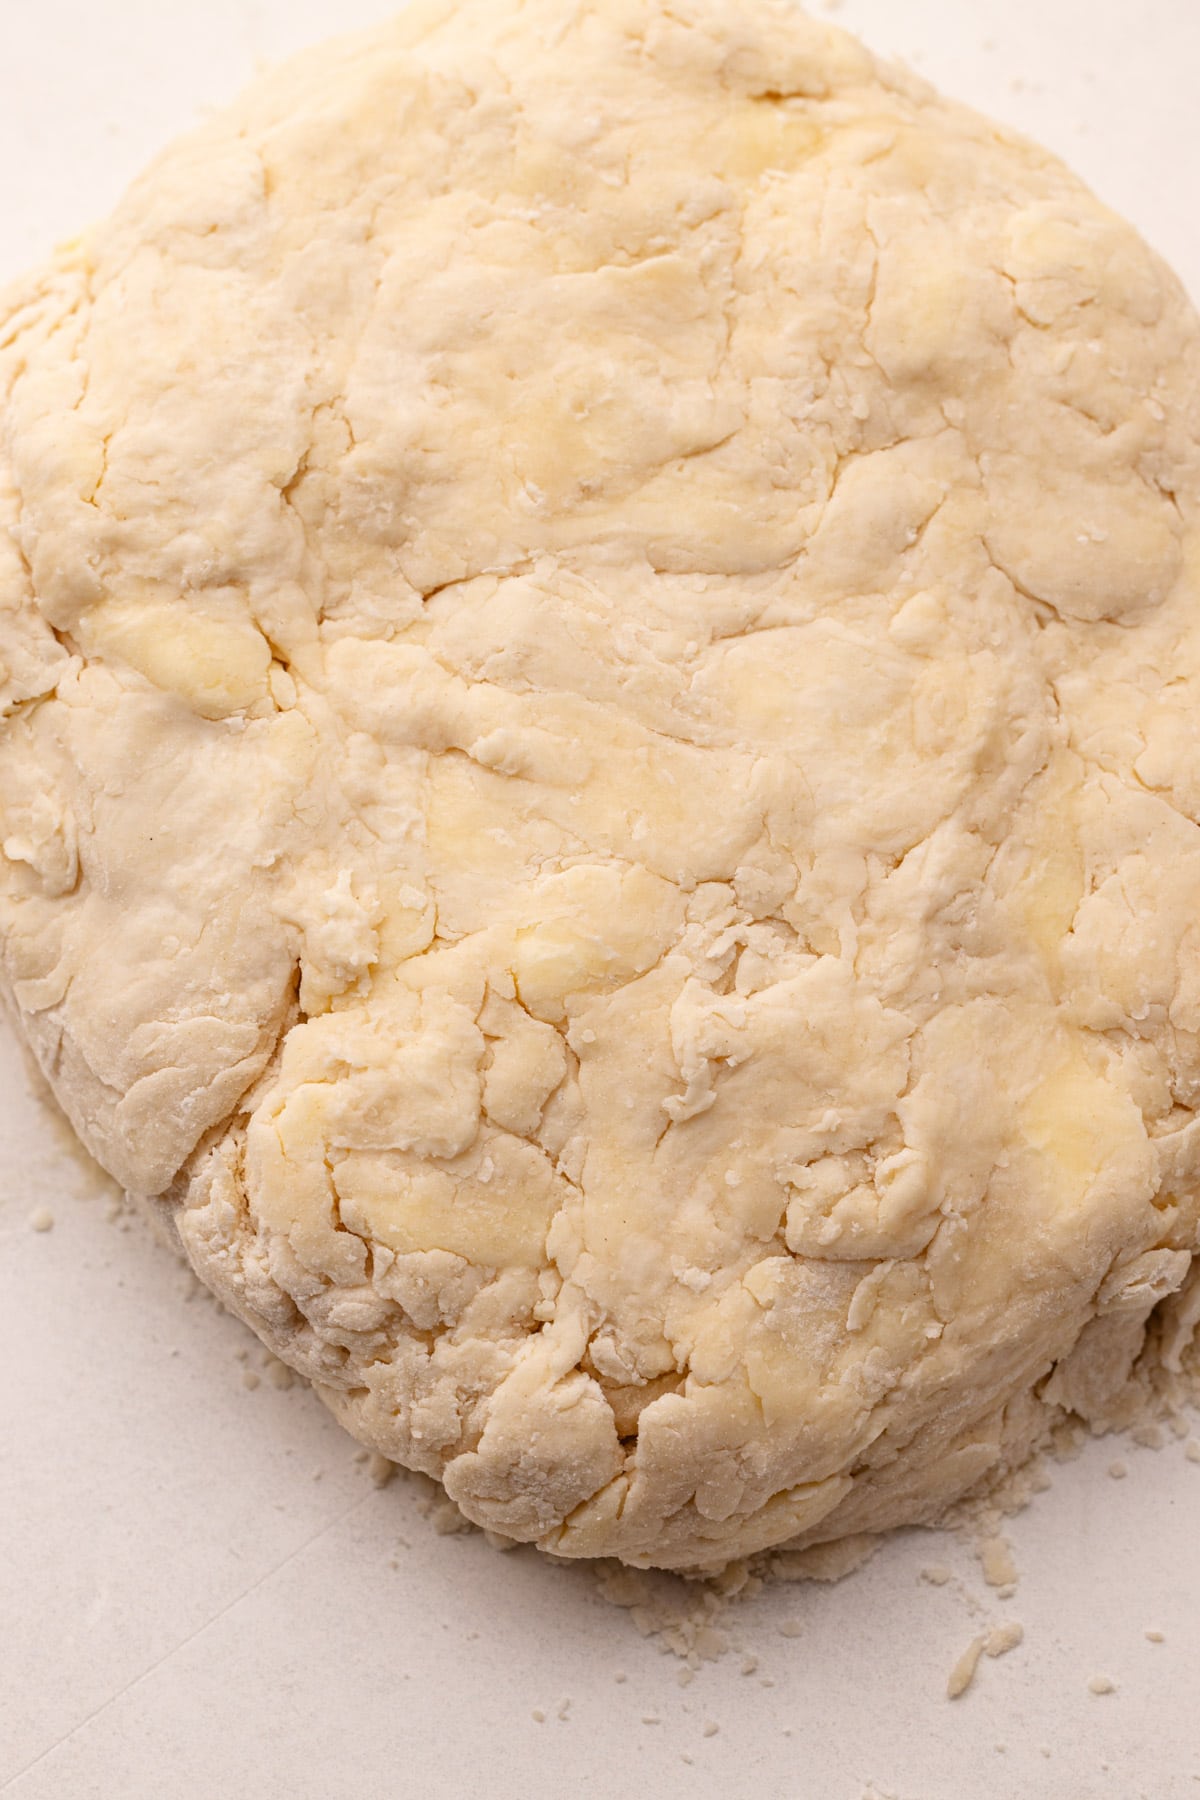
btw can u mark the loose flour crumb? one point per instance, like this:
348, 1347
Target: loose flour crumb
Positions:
963, 1673
1003, 1638
41, 1219
1102, 1684
996, 1560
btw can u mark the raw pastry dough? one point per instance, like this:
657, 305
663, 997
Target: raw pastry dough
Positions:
598, 780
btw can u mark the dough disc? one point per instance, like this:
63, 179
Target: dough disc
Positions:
599, 669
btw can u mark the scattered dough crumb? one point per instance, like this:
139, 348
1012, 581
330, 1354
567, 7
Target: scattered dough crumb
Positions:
1118, 1470
711, 1728
1102, 1684
42, 1219
937, 1574
250, 1379
790, 1628
278, 1374
1156, 1637
1150, 1437
963, 1672
996, 1559
539, 1716
1003, 1638
1192, 1452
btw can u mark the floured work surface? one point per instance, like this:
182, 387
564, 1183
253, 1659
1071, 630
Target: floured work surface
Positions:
596, 787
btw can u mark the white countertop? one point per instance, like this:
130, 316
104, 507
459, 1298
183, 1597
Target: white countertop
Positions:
203, 1594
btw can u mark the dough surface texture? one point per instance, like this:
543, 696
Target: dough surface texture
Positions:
599, 678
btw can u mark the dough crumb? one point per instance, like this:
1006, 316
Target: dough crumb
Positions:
996, 1560
1118, 1470
564, 1707
250, 1379
1150, 1437
790, 1628
1003, 1638
1102, 1684
1156, 1637
937, 1574
1192, 1451
539, 1717
42, 1219
278, 1374
963, 1672
711, 1728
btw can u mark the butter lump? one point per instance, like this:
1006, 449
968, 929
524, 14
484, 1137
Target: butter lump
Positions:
598, 675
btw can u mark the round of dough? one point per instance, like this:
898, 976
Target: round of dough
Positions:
600, 666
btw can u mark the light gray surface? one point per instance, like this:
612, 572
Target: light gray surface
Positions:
189, 1612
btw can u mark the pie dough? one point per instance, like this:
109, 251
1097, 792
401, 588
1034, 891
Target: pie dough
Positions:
598, 779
